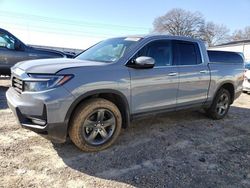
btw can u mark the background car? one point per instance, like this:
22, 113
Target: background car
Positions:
12, 50
246, 83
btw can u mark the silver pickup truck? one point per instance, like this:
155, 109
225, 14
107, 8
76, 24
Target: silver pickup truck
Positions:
90, 98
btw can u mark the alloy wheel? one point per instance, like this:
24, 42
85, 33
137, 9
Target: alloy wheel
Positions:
99, 127
222, 104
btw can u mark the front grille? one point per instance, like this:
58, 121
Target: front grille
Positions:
17, 84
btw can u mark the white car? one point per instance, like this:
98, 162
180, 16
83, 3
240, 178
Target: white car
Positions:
246, 83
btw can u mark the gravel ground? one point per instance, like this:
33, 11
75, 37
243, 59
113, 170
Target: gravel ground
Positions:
184, 149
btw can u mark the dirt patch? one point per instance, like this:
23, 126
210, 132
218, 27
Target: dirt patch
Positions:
184, 149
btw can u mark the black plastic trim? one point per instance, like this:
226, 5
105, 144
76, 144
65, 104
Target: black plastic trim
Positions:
126, 121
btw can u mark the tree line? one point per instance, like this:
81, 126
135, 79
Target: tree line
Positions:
181, 22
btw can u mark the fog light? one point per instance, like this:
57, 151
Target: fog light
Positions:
38, 121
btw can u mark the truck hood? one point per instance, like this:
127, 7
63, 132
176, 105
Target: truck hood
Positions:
52, 66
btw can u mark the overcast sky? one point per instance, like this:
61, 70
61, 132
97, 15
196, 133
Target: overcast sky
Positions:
79, 24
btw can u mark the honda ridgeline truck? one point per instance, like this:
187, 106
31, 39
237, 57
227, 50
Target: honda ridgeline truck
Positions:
90, 98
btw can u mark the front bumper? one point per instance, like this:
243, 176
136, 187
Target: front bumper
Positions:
42, 112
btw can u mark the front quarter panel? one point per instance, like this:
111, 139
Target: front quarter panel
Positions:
90, 79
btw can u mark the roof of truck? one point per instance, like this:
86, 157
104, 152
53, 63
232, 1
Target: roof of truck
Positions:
164, 35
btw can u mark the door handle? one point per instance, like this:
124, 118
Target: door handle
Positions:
32, 55
172, 74
204, 71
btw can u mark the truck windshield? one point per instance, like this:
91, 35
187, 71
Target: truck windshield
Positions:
109, 51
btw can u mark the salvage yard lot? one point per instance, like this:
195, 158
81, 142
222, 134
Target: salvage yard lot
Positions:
184, 149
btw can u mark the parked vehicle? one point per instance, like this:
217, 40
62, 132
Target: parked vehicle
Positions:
12, 50
99, 92
246, 83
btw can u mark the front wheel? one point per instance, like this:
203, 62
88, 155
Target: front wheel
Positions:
220, 105
95, 125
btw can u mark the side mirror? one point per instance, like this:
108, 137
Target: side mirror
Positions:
143, 62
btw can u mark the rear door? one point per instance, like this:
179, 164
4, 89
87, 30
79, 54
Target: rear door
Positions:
194, 75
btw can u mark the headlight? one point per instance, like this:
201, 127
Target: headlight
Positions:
44, 82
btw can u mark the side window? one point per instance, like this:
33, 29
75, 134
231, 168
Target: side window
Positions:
225, 57
187, 53
161, 51
6, 41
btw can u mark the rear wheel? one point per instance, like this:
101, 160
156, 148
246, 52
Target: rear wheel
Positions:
95, 125
220, 105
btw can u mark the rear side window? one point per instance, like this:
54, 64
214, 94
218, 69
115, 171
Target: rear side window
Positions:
186, 53
224, 57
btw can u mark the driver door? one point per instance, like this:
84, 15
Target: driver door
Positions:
156, 88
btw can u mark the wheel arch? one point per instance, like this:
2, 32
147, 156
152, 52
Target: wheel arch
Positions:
228, 85
118, 98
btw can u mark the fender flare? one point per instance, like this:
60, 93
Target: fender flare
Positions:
81, 98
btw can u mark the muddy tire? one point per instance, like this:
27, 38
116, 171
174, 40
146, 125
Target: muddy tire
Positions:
220, 105
95, 125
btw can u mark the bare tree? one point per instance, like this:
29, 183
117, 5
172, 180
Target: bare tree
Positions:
180, 22
192, 24
215, 34
242, 34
